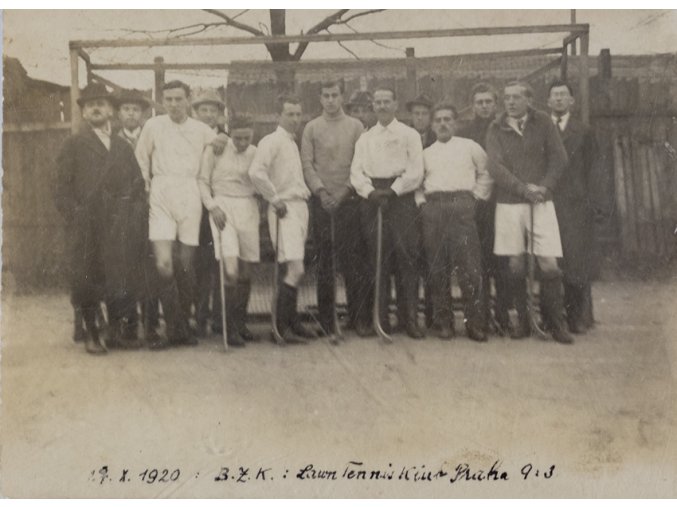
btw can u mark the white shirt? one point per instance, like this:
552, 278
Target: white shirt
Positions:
167, 148
226, 174
561, 121
457, 165
276, 170
386, 152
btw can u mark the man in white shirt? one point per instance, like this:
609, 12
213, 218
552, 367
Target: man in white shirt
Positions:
169, 151
387, 168
228, 194
277, 175
455, 175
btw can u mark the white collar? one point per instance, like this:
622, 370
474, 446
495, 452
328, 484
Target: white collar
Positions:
561, 121
390, 126
284, 131
105, 130
132, 133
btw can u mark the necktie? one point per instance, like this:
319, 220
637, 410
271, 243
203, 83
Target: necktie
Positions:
520, 125
559, 123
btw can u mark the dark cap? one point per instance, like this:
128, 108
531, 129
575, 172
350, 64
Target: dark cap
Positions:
420, 100
94, 91
132, 97
360, 98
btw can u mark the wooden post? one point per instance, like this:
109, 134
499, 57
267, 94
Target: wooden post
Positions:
573, 22
159, 82
604, 71
583, 79
75, 91
412, 84
564, 63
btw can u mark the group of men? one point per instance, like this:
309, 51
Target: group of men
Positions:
429, 199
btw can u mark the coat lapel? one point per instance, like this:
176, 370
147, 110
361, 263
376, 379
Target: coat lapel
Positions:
93, 142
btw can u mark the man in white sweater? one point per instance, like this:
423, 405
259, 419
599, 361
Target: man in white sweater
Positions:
455, 176
169, 151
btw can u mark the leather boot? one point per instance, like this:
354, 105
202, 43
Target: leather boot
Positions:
92, 342
296, 326
171, 310
232, 335
412, 327
573, 301
518, 287
553, 305
244, 289
286, 317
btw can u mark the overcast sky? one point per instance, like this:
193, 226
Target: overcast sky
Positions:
40, 38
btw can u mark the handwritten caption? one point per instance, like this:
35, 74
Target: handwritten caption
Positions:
351, 471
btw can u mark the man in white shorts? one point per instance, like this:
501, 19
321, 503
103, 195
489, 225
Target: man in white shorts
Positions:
227, 192
277, 174
526, 158
169, 151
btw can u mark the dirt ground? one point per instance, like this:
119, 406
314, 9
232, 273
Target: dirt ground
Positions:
603, 412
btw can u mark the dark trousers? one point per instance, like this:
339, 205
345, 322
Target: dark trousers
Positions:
400, 247
451, 241
97, 275
351, 251
493, 267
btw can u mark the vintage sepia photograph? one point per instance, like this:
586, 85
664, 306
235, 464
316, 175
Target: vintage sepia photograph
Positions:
350, 253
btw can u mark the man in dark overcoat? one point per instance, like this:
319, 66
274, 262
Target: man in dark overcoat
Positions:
99, 192
577, 202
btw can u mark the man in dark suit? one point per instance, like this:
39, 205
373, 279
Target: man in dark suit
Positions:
577, 200
484, 105
100, 194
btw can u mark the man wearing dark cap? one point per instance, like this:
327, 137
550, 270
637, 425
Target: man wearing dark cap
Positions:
484, 104
99, 192
421, 118
360, 106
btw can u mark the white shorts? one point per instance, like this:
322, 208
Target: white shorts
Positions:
513, 228
240, 237
175, 210
293, 231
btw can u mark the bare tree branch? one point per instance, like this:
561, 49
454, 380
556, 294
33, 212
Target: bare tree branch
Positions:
229, 21
322, 25
358, 14
348, 50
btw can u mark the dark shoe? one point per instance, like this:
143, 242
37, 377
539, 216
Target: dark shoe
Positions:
364, 330
182, 336
576, 326
415, 332
445, 332
302, 331
292, 338
476, 334
235, 340
156, 342
561, 335
247, 335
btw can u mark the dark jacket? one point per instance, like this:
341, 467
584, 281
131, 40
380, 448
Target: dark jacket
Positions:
537, 156
100, 194
578, 192
476, 130
428, 138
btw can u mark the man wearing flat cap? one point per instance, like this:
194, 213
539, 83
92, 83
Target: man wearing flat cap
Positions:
420, 110
132, 110
360, 106
99, 192
208, 108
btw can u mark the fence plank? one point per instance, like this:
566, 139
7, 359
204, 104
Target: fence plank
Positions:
621, 195
630, 196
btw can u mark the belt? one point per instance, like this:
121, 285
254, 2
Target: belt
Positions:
448, 196
382, 183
